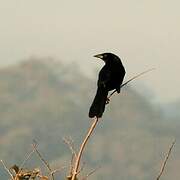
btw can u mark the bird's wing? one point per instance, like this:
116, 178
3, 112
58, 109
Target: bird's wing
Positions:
104, 77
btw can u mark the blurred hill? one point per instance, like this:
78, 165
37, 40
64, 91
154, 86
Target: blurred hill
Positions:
45, 100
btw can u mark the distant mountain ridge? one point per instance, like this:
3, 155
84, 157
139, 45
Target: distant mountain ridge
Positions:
46, 100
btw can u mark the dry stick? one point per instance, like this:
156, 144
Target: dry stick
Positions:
82, 168
75, 170
43, 160
138, 75
8, 171
58, 170
165, 160
92, 172
71, 165
26, 159
73, 151
70, 144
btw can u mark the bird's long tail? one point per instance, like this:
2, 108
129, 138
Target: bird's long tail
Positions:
98, 106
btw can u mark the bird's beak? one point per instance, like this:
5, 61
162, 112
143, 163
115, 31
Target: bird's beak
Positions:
99, 56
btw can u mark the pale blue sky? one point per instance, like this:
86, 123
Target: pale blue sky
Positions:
143, 33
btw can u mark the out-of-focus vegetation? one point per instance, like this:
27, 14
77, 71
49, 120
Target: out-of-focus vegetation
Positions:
46, 101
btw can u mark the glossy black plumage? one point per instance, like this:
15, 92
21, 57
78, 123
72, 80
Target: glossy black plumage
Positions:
110, 77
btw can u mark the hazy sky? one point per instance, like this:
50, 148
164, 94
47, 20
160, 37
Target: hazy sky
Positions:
144, 33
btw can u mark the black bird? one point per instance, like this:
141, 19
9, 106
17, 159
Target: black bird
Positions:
110, 77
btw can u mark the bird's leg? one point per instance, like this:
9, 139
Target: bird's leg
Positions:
118, 90
107, 100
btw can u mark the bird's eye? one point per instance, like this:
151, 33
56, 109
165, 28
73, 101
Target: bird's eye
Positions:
105, 56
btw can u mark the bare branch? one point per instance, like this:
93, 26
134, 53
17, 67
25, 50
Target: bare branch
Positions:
138, 75
89, 174
58, 170
76, 167
8, 171
43, 160
26, 159
165, 160
70, 144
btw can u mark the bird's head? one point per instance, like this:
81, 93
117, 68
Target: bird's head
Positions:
106, 56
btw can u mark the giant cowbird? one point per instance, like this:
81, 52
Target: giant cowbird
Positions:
110, 77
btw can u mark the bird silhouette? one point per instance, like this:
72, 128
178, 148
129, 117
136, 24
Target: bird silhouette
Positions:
110, 77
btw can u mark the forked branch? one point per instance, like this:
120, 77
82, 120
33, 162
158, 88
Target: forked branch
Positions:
43, 160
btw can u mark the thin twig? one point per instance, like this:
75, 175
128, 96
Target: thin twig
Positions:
26, 159
82, 168
8, 171
58, 170
70, 144
138, 75
43, 160
89, 174
71, 166
76, 167
165, 160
